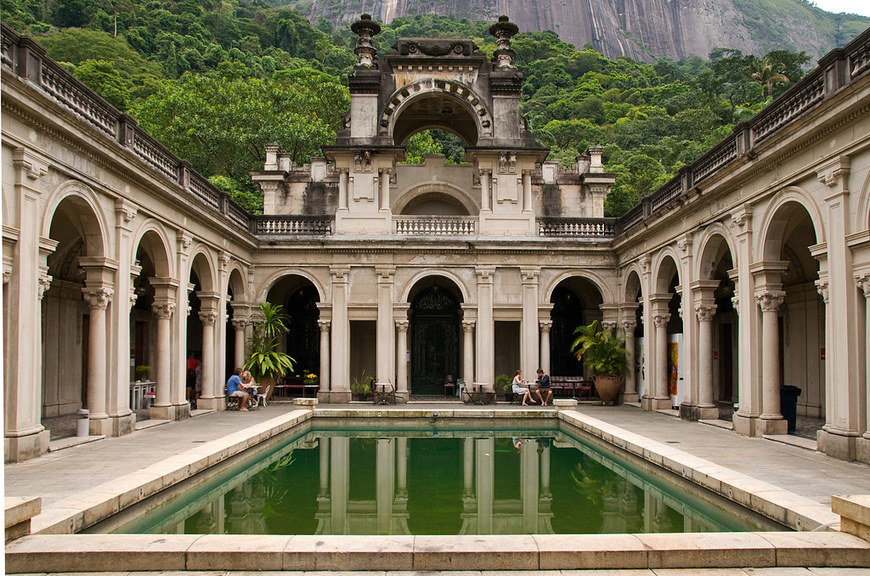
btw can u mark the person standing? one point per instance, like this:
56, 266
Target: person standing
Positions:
544, 386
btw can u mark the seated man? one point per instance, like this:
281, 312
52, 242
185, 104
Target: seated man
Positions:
235, 388
544, 386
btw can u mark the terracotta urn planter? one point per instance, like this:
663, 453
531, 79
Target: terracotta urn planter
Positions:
608, 388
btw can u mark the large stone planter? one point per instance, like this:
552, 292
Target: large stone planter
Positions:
608, 388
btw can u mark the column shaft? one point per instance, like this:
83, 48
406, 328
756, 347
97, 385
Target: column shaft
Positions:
770, 369
705, 355
99, 301
324, 353
402, 354
661, 352
468, 352
545, 326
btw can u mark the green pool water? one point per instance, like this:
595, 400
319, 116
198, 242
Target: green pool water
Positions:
365, 482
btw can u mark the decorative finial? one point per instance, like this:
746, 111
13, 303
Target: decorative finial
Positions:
365, 51
503, 30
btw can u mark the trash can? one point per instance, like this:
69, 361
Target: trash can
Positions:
788, 396
83, 422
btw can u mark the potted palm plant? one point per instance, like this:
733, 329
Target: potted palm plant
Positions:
266, 362
503, 383
603, 352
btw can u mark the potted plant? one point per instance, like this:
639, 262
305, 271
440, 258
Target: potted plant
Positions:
361, 387
603, 352
503, 382
266, 362
143, 372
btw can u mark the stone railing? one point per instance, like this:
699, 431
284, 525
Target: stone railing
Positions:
836, 70
435, 225
592, 228
262, 225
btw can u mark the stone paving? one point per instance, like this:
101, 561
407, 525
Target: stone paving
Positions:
655, 572
58, 475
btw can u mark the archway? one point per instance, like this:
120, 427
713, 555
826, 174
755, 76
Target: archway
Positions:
669, 365
299, 297
435, 346
67, 342
576, 301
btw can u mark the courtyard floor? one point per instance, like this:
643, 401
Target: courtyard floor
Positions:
63, 473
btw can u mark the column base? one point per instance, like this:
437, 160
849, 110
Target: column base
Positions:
745, 425
709, 412
123, 424
838, 445
773, 426
101, 426
162, 412
862, 449
334, 397
211, 403
629, 398
182, 411
24, 448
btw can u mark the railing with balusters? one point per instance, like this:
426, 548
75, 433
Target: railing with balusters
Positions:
591, 228
435, 225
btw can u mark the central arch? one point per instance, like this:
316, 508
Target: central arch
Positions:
435, 346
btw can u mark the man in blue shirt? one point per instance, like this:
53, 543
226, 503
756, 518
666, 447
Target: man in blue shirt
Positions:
234, 388
544, 386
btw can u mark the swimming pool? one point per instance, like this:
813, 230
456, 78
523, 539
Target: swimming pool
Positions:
404, 477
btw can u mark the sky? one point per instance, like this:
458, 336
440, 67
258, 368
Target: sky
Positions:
852, 6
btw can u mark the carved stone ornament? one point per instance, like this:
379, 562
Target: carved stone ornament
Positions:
770, 301
823, 289
545, 325
98, 298
438, 47
628, 326
661, 320
208, 318
402, 325
324, 325
43, 284
163, 310
705, 312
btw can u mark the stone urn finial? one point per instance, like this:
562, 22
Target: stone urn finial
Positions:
366, 29
503, 30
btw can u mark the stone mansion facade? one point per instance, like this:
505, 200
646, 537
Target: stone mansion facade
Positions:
749, 270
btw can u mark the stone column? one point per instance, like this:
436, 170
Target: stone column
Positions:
98, 299
118, 400
628, 326
340, 348
662, 397
402, 354
324, 382
208, 395
342, 190
705, 312
527, 190
530, 336
545, 326
864, 448
386, 330
468, 351
385, 477
24, 435
485, 194
484, 458
239, 325
161, 409
771, 415
485, 337
385, 190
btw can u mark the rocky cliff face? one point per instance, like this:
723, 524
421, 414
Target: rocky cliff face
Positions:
640, 29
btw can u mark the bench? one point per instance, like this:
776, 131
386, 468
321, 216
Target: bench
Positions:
571, 387
288, 384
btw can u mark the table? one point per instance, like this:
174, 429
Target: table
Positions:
386, 391
138, 390
479, 395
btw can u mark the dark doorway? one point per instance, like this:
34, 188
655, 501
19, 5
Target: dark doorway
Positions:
726, 364
567, 315
434, 340
303, 338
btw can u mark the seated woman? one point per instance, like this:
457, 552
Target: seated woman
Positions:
518, 388
236, 388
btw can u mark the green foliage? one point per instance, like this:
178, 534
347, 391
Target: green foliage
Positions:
265, 359
418, 146
603, 351
362, 385
503, 382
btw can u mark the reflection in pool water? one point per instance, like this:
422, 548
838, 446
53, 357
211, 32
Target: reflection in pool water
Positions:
469, 482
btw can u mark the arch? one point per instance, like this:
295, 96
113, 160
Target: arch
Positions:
433, 100
94, 228
603, 288
632, 284
778, 220
270, 281
408, 291
429, 190
714, 242
202, 263
236, 283
665, 267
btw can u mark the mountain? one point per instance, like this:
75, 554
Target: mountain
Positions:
640, 29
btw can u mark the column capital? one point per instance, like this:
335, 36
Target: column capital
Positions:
530, 275
402, 325
208, 317
823, 289
34, 165
385, 274
184, 239
43, 284
163, 310
239, 323
705, 311
863, 282
833, 171
468, 325
339, 274
661, 320
324, 325
770, 300
741, 217
98, 297
485, 274
126, 210
545, 325
628, 326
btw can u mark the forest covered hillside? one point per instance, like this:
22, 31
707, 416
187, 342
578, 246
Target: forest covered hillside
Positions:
215, 80
640, 29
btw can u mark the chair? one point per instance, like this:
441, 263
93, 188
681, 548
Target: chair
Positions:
383, 393
261, 396
232, 401
450, 385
